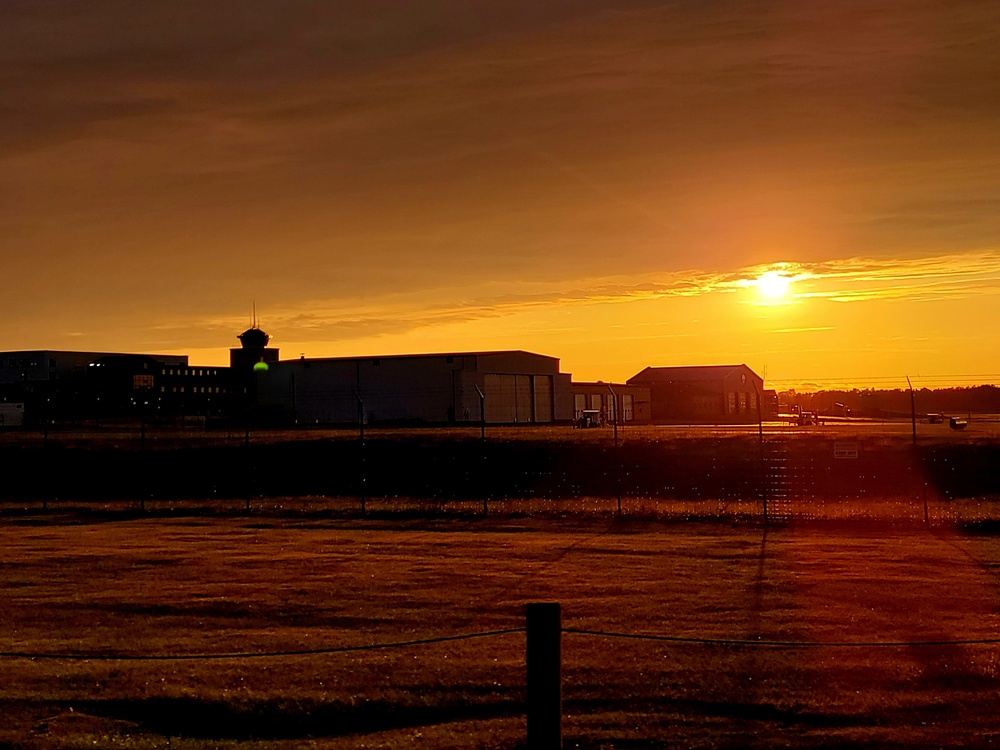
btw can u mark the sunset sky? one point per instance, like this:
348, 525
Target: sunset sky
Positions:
601, 181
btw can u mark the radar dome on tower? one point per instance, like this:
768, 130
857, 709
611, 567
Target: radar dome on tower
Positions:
254, 349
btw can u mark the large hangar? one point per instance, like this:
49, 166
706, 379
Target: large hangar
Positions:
516, 387
705, 394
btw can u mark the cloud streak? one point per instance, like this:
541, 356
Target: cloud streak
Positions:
854, 280
968, 275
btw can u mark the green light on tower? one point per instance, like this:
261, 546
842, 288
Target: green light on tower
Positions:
260, 367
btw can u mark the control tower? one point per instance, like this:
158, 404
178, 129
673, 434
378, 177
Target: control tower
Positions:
253, 353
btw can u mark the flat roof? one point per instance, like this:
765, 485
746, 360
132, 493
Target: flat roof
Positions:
431, 355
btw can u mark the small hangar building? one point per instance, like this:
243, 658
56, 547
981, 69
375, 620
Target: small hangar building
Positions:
593, 402
705, 394
516, 387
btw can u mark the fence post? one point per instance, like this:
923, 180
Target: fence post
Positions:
482, 437
544, 693
361, 453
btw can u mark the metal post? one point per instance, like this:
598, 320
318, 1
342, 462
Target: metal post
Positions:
544, 688
618, 459
913, 425
482, 438
760, 440
144, 468
913, 410
249, 469
361, 451
48, 484
482, 414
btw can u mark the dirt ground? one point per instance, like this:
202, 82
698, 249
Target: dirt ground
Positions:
175, 588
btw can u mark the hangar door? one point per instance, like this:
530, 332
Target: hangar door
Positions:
543, 398
509, 398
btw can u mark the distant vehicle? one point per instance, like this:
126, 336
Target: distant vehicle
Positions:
934, 418
840, 409
589, 418
806, 418
958, 423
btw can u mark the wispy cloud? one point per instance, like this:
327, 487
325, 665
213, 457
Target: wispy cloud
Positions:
912, 279
840, 281
808, 329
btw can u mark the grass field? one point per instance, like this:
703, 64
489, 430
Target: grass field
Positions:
158, 586
127, 434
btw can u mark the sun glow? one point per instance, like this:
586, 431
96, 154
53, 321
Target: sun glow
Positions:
773, 285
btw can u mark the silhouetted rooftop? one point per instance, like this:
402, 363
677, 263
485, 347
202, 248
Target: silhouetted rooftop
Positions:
253, 337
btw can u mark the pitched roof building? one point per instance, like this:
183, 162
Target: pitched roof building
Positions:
707, 394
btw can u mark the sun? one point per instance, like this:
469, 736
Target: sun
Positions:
773, 285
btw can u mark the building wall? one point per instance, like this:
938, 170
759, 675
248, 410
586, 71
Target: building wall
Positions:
633, 402
44, 365
72, 386
518, 387
702, 395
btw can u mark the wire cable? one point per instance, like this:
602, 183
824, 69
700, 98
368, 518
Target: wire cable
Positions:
785, 644
256, 654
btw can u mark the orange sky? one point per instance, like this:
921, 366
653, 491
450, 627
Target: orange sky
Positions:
594, 180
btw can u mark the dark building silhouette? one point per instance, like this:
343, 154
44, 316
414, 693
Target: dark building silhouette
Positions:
77, 386
517, 388
592, 403
704, 394
499, 387
253, 350
512, 387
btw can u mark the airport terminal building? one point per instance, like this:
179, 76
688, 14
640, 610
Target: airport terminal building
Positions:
498, 387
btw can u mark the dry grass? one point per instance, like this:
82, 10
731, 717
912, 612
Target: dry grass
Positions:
127, 435
156, 586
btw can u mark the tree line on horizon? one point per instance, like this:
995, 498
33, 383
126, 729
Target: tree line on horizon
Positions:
873, 402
